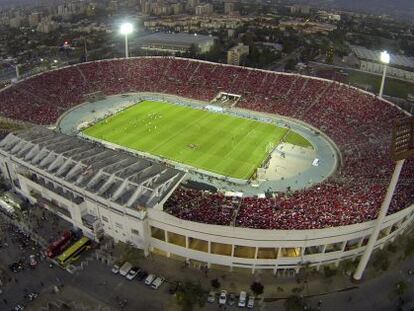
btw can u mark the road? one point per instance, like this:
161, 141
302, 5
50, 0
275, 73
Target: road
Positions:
98, 282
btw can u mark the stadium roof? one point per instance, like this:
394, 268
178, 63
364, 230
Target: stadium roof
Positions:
176, 39
117, 176
372, 55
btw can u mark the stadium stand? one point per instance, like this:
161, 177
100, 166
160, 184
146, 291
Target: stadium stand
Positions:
359, 123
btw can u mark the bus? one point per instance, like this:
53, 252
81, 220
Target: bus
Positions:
58, 246
73, 252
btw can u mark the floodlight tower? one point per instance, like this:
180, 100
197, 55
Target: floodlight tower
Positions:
126, 29
385, 59
402, 148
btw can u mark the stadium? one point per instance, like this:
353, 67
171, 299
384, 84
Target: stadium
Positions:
220, 166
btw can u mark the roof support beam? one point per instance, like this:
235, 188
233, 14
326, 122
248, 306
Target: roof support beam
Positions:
74, 170
40, 155
134, 196
48, 159
32, 153
58, 161
106, 185
121, 190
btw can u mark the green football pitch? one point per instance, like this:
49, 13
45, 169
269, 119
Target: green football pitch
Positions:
216, 142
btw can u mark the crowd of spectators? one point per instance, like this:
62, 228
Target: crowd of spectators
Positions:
359, 123
201, 206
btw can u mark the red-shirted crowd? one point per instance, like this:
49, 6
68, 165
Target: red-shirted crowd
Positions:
360, 125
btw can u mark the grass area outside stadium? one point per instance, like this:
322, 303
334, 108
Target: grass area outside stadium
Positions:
393, 87
220, 143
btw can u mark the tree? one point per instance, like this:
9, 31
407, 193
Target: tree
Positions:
290, 64
400, 288
409, 247
192, 51
381, 261
257, 288
348, 266
189, 295
215, 283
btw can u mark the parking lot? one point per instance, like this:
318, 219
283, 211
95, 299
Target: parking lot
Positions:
31, 281
25, 273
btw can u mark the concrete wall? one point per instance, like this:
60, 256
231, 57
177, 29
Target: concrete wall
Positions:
124, 224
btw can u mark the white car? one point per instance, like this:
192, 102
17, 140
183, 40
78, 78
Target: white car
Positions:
211, 297
157, 282
149, 279
125, 269
132, 273
32, 296
250, 303
223, 297
242, 299
115, 269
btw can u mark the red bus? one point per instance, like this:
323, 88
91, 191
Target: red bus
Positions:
59, 245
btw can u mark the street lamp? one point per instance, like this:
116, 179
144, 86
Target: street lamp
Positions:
385, 59
126, 29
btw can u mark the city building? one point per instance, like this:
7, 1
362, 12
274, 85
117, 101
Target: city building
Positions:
46, 25
177, 8
300, 9
15, 22
176, 42
235, 54
160, 9
34, 19
324, 15
204, 9
229, 7
191, 4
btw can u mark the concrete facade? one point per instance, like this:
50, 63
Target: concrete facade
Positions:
153, 230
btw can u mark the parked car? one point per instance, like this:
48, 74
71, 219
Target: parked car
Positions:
232, 299
149, 279
211, 297
132, 273
250, 303
142, 275
15, 267
242, 299
18, 307
223, 297
125, 269
32, 296
157, 282
32, 261
115, 269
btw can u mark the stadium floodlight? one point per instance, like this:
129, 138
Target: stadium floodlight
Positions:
385, 59
126, 29
402, 148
